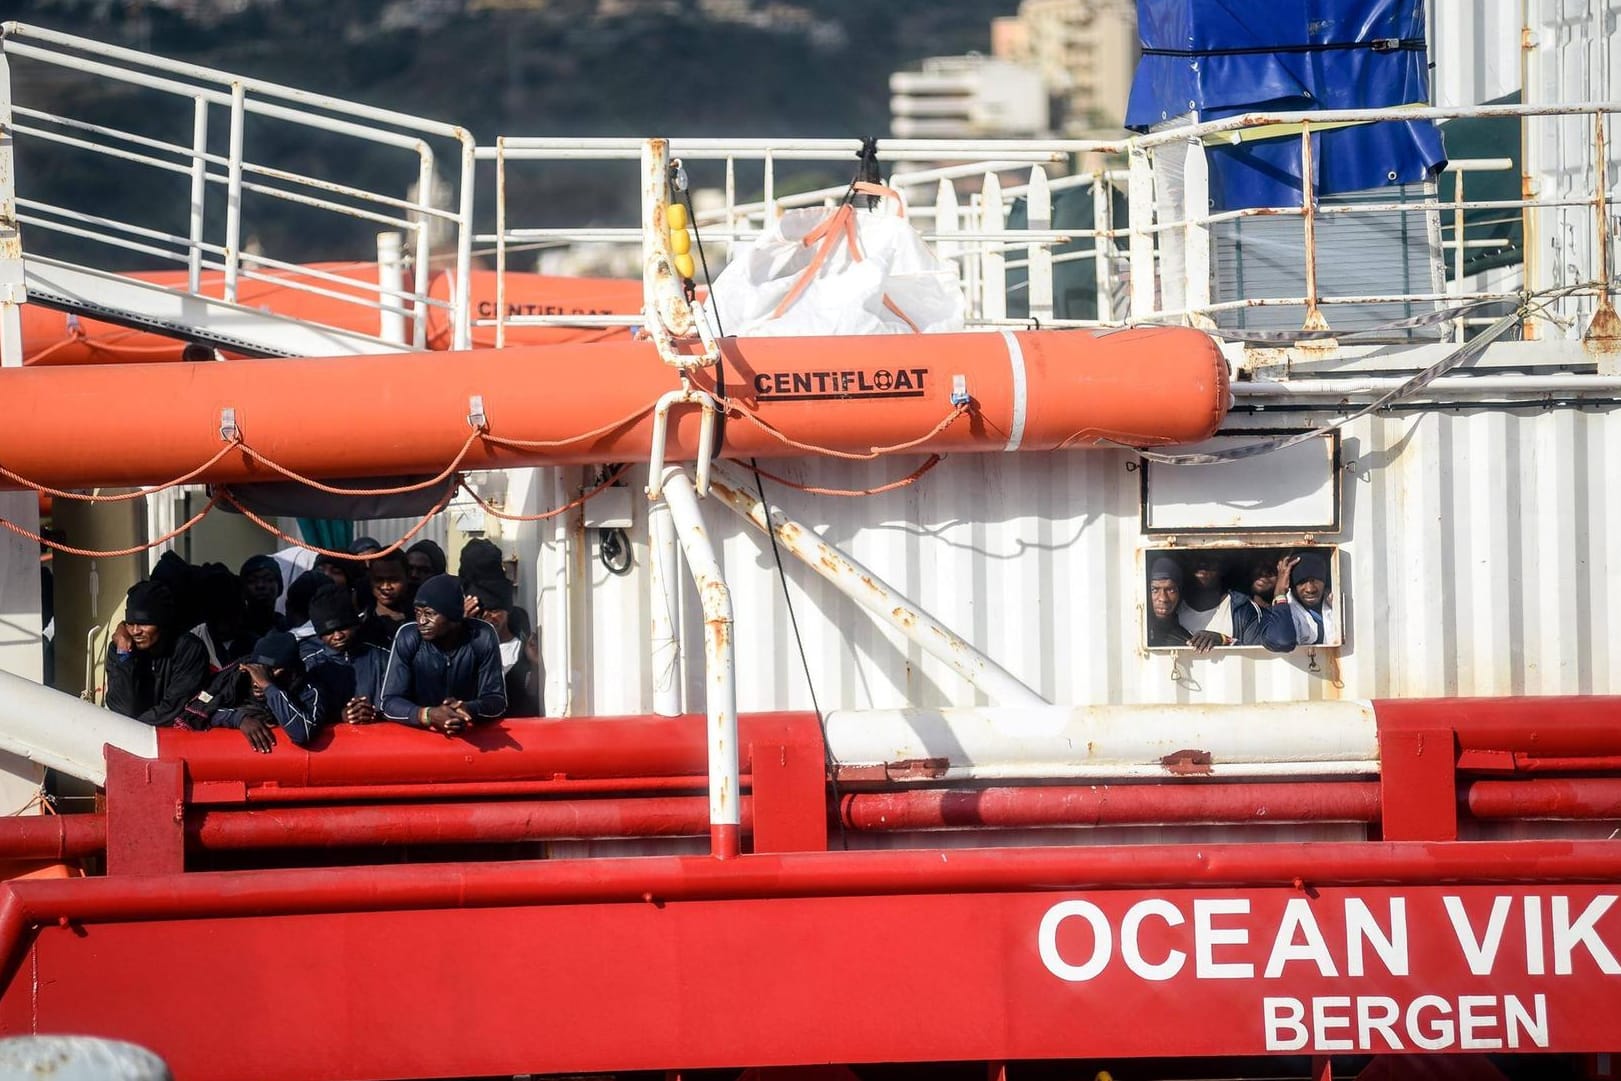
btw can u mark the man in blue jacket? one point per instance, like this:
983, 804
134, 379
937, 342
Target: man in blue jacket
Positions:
444, 673
346, 671
1301, 612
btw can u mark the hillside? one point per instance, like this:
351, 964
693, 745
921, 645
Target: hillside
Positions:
532, 67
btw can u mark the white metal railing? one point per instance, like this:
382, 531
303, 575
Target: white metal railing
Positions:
1154, 266
219, 98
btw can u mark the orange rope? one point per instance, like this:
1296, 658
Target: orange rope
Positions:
858, 456
555, 511
124, 496
910, 478
318, 486
504, 442
93, 554
365, 557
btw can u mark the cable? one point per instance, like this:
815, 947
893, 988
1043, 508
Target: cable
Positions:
90, 553
829, 764
555, 511
857, 456
57, 493
502, 441
363, 557
910, 478
401, 490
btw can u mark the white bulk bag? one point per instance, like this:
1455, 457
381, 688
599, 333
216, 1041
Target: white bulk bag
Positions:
838, 271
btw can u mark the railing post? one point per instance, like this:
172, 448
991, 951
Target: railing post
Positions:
461, 295
1103, 243
1308, 220
13, 279
233, 193
1140, 211
501, 242
390, 284
1457, 250
664, 579
423, 255
1196, 234
992, 262
199, 192
1039, 263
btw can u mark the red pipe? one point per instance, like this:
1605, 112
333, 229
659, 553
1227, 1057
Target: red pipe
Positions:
1597, 764
1588, 797
451, 789
1577, 726
450, 823
1104, 805
514, 750
52, 837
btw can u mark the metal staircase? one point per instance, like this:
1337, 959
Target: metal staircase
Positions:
72, 257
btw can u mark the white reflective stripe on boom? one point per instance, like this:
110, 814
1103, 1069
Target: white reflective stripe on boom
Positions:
1015, 356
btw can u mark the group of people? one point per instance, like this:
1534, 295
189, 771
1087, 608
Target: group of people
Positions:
1210, 599
392, 637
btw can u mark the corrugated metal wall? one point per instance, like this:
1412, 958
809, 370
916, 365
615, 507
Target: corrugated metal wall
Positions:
1475, 560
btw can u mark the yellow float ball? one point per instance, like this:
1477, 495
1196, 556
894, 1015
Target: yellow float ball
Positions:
676, 217
684, 266
680, 242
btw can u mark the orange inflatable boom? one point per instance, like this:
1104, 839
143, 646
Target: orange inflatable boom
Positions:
138, 424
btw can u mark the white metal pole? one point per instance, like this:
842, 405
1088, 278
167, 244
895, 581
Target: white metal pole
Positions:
993, 264
60, 731
986, 743
1140, 219
870, 591
461, 294
1039, 274
664, 584
390, 284
719, 661
423, 255
233, 195
199, 192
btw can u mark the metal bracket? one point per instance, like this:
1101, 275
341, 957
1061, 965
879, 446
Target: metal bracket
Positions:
229, 432
959, 390
475, 412
706, 438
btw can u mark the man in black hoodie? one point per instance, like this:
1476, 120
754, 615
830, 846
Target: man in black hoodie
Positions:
261, 585
152, 670
265, 690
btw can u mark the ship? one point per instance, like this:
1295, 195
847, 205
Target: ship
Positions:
887, 730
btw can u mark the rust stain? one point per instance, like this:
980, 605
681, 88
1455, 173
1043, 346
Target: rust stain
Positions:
917, 769
905, 617
861, 773
1188, 763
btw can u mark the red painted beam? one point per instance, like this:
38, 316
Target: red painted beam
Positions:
514, 750
1104, 805
449, 823
1578, 726
1571, 798
614, 786
52, 837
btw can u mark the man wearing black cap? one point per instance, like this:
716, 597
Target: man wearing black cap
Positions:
263, 691
494, 597
445, 671
423, 560
261, 586
346, 671
1214, 615
152, 671
1164, 598
390, 607
1301, 613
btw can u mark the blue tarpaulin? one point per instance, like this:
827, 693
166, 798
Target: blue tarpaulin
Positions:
1218, 58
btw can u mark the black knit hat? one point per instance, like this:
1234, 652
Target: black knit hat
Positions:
443, 594
149, 603
254, 564
278, 649
1311, 566
332, 610
480, 561
494, 594
435, 554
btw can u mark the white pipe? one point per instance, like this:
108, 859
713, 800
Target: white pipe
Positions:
664, 582
719, 663
390, 284
64, 733
1456, 384
1257, 740
874, 594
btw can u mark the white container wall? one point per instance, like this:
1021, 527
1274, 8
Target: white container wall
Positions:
1474, 560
